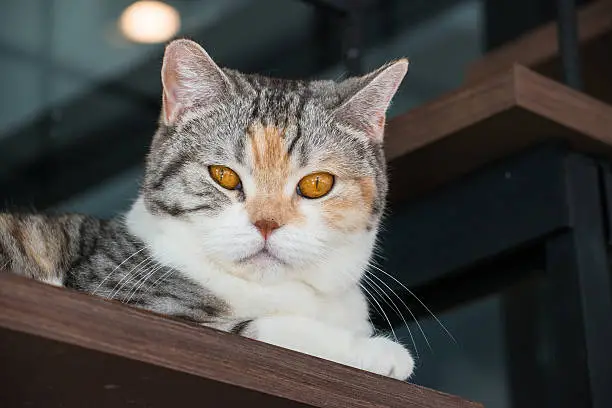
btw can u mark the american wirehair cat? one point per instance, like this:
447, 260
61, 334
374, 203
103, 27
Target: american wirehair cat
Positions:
258, 213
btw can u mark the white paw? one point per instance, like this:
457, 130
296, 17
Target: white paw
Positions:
385, 357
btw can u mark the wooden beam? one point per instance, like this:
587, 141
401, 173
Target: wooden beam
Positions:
209, 367
485, 121
539, 50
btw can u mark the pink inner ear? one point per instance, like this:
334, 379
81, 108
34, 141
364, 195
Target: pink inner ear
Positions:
169, 96
167, 107
376, 127
170, 105
367, 108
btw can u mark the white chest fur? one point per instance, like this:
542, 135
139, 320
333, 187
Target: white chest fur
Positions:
251, 299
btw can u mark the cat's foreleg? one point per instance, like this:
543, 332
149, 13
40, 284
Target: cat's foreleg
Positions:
379, 355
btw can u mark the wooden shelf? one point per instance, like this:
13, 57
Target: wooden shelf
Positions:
539, 51
60, 348
485, 121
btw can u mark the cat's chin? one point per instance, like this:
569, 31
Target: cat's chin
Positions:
262, 268
263, 258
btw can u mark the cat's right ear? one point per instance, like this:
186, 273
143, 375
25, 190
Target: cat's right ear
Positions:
189, 76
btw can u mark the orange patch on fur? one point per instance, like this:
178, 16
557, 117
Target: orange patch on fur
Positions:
368, 189
268, 148
351, 211
271, 168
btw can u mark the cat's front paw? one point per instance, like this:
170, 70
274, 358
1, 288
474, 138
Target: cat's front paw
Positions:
385, 357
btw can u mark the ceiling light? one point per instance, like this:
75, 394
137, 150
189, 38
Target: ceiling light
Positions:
148, 21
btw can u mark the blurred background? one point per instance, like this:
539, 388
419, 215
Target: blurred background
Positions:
80, 96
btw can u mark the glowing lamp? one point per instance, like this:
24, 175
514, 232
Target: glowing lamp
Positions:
149, 22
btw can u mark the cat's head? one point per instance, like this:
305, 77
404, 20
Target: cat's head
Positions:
269, 179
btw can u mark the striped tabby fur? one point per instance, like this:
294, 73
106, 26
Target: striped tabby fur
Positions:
103, 258
191, 248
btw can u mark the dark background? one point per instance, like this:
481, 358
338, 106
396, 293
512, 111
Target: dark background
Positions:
79, 103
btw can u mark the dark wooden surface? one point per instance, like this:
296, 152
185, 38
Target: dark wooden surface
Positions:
59, 348
37, 372
539, 51
483, 122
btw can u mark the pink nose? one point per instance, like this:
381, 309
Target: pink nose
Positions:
265, 227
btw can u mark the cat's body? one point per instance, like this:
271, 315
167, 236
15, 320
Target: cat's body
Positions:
258, 213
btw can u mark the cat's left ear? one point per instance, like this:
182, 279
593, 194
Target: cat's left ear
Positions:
366, 106
189, 76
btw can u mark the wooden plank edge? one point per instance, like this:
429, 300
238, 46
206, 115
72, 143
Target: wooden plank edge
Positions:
565, 106
425, 134
540, 45
93, 323
517, 87
452, 112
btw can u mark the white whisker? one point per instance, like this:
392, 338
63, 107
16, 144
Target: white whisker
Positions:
407, 308
374, 306
397, 310
158, 281
117, 267
129, 277
139, 274
142, 281
418, 300
382, 311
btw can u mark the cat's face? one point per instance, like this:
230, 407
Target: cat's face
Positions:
271, 179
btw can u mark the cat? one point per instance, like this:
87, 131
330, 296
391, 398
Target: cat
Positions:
258, 213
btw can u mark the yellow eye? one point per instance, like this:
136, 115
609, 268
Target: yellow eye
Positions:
315, 185
225, 177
